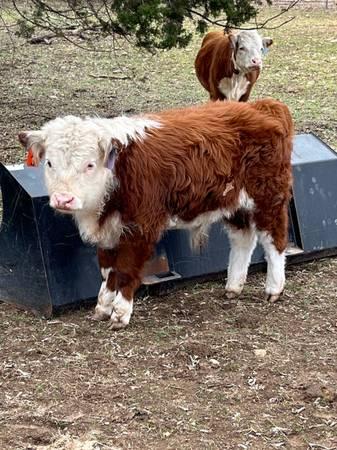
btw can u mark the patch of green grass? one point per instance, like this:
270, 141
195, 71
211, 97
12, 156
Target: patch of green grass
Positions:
300, 70
168, 331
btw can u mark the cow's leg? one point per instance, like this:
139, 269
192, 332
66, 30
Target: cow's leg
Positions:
274, 241
217, 95
242, 242
131, 257
107, 292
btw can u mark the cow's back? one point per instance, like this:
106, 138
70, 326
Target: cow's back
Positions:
212, 36
214, 61
192, 152
279, 111
215, 48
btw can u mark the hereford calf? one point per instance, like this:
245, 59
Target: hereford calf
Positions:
228, 65
126, 180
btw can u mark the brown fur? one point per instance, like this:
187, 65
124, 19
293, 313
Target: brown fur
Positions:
214, 62
184, 169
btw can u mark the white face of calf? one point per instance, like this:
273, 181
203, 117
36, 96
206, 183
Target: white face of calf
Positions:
248, 50
76, 155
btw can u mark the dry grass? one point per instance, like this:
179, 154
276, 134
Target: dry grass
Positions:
39, 82
192, 371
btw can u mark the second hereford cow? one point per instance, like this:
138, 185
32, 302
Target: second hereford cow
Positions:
126, 180
228, 65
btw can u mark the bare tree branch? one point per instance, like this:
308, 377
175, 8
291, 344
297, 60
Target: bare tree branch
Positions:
258, 26
146, 24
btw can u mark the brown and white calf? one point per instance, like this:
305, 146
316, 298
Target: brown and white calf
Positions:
126, 180
228, 65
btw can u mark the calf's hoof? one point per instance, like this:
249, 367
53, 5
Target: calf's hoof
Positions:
121, 313
119, 319
100, 316
273, 298
232, 294
116, 323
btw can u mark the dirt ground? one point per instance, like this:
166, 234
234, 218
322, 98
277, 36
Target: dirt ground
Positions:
193, 370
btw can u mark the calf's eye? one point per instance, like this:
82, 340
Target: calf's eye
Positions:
90, 166
48, 163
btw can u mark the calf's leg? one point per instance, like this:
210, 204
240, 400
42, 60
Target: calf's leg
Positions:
242, 242
132, 253
107, 292
275, 267
274, 240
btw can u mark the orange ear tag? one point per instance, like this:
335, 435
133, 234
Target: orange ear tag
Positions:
30, 158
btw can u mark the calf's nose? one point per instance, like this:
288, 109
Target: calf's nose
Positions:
256, 61
61, 200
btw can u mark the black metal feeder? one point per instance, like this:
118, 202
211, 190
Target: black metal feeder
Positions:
44, 264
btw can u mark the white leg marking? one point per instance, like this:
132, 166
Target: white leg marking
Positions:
275, 267
103, 308
122, 310
199, 236
105, 272
242, 243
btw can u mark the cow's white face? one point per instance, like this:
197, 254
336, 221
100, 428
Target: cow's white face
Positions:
75, 155
75, 175
249, 48
79, 158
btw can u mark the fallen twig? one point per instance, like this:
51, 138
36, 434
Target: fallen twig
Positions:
46, 38
108, 77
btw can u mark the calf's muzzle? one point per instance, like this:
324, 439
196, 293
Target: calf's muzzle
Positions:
62, 200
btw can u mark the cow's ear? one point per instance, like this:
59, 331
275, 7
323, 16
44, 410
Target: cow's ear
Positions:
34, 143
267, 42
110, 149
233, 39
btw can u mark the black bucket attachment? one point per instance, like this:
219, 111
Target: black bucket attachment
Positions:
44, 264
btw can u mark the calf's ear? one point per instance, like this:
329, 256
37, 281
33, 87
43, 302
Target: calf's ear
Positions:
267, 42
233, 39
33, 142
110, 149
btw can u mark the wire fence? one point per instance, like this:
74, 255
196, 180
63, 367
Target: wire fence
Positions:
317, 4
